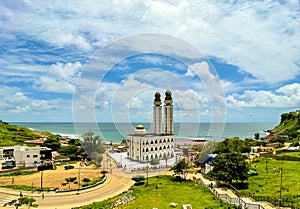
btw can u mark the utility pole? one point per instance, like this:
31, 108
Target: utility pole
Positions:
147, 171
79, 177
41, 180
280, 196
267, 163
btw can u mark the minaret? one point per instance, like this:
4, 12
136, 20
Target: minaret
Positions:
168, 111
157, 114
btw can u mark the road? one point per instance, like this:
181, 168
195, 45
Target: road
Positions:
114, 185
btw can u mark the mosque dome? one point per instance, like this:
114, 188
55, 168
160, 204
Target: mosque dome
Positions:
140, 130
168, 97
157, 100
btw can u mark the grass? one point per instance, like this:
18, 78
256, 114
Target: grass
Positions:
18, 173
293, 154
25, 188
267, 184
187, 192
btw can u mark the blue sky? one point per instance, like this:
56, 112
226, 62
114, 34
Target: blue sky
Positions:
250, 50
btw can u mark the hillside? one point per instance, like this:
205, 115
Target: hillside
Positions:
14, 135
289, 125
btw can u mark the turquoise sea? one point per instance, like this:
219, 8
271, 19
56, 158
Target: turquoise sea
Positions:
115, 132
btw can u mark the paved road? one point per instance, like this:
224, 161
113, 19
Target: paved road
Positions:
114, 185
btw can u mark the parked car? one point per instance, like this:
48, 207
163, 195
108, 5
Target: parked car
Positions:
67, 167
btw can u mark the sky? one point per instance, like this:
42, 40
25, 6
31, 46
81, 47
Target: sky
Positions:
223, 60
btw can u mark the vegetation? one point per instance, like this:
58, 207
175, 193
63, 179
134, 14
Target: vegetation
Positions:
233, 145
266, 185
169, 190
228, 167
93, 146
289, 125
18, 173
13, 135
25, 188
28, 201
52, 142
182, 168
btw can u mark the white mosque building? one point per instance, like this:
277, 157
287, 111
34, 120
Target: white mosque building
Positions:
145, 147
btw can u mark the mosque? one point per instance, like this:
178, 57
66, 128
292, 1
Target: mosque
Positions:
145, 146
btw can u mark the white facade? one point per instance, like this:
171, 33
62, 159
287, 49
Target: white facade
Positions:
160, 144
157, 123
24, 156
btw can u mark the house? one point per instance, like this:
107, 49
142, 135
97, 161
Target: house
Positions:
257, 149
56, 157
23, 156
7, 158
205, 163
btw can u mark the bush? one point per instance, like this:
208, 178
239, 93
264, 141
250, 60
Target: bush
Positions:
138, 178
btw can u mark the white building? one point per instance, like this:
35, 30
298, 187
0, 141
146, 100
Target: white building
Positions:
24, 156
159, 144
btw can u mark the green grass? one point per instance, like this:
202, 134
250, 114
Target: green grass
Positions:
293, 154
168, 191
268, 184
18, 173
14, 135
25, 188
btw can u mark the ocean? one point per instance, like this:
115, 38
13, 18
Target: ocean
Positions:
115, 132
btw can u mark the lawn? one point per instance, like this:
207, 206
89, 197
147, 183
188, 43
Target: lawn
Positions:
268, 183
168, 191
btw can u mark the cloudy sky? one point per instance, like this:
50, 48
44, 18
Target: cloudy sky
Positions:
104, 60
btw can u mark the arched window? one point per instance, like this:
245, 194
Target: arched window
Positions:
164, 140
147, 143
151, 149
168, 140
151, 142
160, 148
155, 141
147, 150
164, 146
155, 148
160, 141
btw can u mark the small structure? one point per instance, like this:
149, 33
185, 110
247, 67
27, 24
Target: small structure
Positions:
56, 157
187, 206
205, 163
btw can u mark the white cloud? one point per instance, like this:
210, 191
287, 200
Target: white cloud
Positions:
286, 97
17, 106
60, 78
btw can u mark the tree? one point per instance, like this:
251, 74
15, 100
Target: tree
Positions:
256, 136
233, 145
229, 166
71, 151
29, 202
181, 168
93, 146
52, 142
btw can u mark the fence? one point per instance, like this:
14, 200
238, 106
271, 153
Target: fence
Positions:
283, 203
244, 202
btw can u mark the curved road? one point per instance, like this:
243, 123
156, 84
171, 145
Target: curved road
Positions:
114, 185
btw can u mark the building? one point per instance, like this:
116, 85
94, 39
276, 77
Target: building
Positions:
23, 156
143, 146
